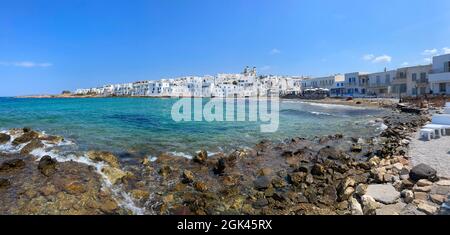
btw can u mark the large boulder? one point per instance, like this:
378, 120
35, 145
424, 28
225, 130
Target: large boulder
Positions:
4, 138
114, 175
47, 166
423, 171
100, 156
52, 139
34, 144
201, 157
384, 193
25, 138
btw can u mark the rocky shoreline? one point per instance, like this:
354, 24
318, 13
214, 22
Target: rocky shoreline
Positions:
334, 175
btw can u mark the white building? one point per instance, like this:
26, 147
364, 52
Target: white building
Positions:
322, 82
440, 75
356, 84
380, 83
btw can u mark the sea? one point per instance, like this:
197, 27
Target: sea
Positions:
146, 127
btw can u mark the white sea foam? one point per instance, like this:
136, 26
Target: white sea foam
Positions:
322, 113
181, 154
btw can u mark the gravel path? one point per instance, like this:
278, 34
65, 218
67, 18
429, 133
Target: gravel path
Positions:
435, 153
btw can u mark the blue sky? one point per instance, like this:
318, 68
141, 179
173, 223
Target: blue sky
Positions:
47, 46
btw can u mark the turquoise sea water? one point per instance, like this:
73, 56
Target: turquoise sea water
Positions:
145, 126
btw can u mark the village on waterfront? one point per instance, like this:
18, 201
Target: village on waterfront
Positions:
413, 81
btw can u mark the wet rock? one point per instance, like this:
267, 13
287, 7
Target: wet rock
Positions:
187, 177
201, 157
12, 164
26, 137
4, 183
4, 138
200, 186
47, 166
262, 182
423, 171
355, 207
26, 129
260, 203
114, 175
384, 193
52, 139
318, 169
34, 144
101, 156
219, 169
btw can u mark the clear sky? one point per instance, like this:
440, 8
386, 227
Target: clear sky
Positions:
47, 46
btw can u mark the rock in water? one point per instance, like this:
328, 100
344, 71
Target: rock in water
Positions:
107, 157
4, 138
220, 167
423, 171
26, 137
201, 157
384, 193
12, 165
113, 174
47, 166
34, 144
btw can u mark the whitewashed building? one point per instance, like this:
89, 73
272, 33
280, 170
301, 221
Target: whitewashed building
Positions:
440, 75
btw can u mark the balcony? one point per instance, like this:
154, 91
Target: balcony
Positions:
439, 77
422, 81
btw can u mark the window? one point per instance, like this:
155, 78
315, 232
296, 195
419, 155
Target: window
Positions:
388, 79
447, 67
378, 80
414, 77
423, 76
442, 87
414, 91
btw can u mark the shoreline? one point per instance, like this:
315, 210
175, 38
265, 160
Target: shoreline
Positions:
326, 175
